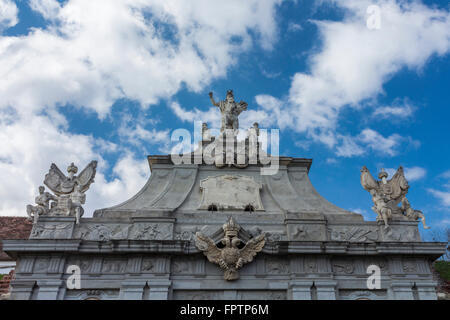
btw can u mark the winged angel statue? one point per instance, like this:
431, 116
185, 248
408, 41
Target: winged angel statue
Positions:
227, 254
69, 192
387, 194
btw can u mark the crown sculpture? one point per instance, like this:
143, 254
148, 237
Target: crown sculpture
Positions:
387, 194
69, 193
230, 257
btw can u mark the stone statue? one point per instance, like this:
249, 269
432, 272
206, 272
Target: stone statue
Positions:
43, 205
387, 194
230, 111
411, 213
69, 191
77, 198
206, 134
230, 257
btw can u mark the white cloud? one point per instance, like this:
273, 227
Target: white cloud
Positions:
274, 113
211, 116
29, 145
294, 27
95, 52
411, 173
378, 143
394, 112
92, 53
8, 14
367, 216
368, 140
349, 148
354, 62
415, 173
49, 9
444, 196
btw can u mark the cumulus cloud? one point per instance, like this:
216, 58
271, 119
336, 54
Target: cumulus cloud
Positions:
368, 140
395, 111
8, 14
411, 173
89, 55
95, 52
415, 173
49, 9
354, 62
444, 194
30, 145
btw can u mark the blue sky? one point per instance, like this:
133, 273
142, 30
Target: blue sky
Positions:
110, 80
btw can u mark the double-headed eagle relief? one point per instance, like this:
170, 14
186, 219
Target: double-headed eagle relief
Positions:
69, 192
388, 194
230, 253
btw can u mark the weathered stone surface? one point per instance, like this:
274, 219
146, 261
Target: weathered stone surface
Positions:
284, 238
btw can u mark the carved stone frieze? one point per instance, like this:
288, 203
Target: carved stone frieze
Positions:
114, 265
52, 230
400, 233
151, 231
306, 232
102, 232
343, 266
188, 265
155, 265
276, 266
353, 233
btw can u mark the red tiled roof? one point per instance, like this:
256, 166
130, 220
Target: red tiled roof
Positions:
13, 228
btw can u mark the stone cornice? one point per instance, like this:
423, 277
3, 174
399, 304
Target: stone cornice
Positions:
18, 247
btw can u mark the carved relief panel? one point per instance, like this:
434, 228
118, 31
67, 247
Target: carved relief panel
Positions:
231, 192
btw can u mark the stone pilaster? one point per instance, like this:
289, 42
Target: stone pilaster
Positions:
300, 290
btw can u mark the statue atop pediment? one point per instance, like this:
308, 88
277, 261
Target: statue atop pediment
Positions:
69, 192
387, 194
230, 110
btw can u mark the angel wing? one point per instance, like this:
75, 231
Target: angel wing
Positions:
252, 247
86, 177
399, 185
207, 245
367, 181
55, 179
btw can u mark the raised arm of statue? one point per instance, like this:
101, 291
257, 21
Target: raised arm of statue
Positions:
212, 100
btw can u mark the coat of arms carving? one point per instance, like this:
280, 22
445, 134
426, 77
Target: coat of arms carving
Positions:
231, 253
